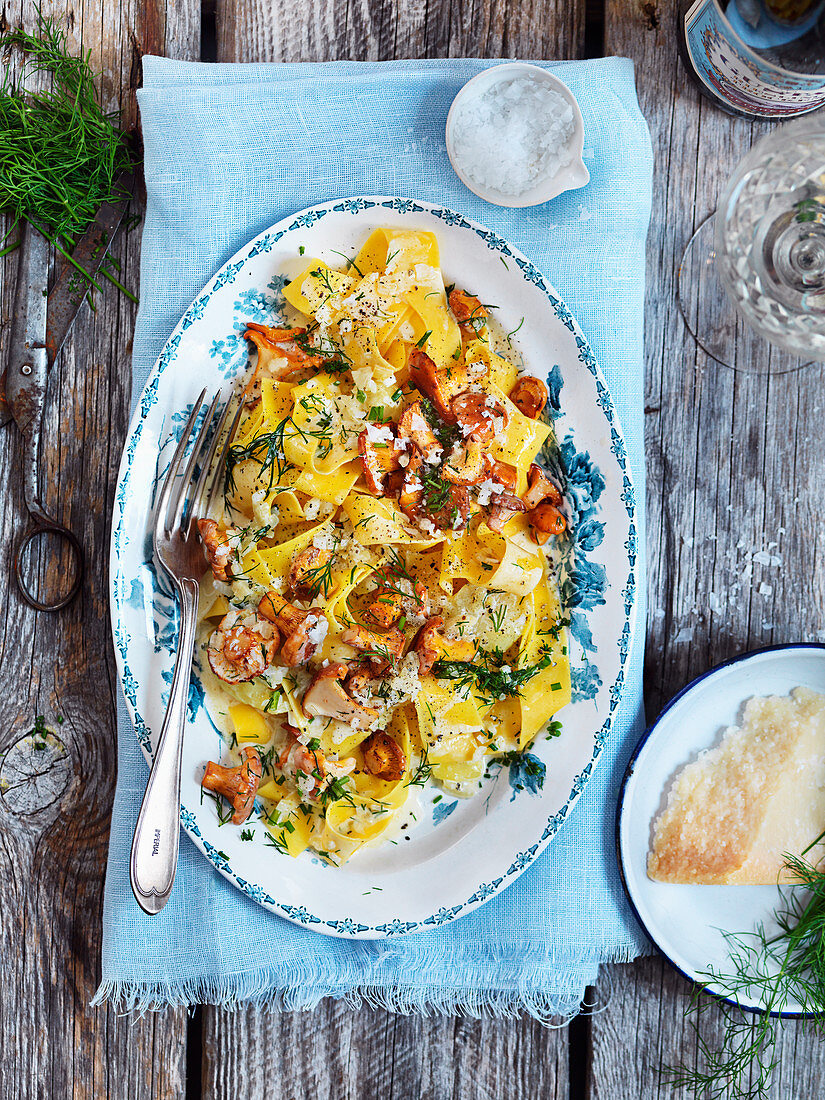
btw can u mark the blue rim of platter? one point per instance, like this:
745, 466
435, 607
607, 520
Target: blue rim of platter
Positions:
120, 584
740, 658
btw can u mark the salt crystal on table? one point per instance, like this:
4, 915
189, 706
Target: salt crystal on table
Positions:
762, 557
514, 135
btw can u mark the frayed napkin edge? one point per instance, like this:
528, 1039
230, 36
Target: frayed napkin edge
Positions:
140, 998
264, 990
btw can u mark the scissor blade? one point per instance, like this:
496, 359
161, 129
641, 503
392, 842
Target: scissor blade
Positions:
26, 371
70, 287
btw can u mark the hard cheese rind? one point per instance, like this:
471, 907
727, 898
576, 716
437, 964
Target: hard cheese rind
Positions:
733, 812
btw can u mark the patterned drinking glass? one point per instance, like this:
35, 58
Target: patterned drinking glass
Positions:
755, 270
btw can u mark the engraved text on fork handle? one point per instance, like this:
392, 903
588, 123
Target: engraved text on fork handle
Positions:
157, 834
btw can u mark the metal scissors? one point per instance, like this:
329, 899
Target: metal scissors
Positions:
40, 324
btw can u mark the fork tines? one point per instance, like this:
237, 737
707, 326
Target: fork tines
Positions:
181, 499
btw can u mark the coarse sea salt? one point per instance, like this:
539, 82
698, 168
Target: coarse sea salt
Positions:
514, 135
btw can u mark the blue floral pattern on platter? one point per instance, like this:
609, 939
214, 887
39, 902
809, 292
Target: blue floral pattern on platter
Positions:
583, 580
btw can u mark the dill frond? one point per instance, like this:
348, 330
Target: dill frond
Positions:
783, 971
60, 153
490, 673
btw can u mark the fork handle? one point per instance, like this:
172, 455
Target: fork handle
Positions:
154, 856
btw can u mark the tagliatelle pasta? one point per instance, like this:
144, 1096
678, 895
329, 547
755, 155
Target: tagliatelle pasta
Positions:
380, 612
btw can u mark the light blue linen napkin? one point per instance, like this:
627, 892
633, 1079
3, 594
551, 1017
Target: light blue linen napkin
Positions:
230, 149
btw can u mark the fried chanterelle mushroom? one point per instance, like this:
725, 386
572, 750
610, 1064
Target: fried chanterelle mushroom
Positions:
304, 631
219, 546
325, 698
431, 646
243, 647
238, 785
529, 395
544, 504
383, 756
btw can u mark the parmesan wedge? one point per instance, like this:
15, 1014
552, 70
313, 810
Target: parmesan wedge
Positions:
734, 811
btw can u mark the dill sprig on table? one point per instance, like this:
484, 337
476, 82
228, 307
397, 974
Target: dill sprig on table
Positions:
60, 153
780, 970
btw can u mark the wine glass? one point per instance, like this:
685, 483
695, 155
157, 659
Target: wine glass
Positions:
755, 270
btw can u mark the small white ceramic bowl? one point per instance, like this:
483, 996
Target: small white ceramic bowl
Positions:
569, 178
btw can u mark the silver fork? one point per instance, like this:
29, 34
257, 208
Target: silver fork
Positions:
177, 547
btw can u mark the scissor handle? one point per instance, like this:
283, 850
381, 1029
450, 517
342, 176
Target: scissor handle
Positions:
48, 527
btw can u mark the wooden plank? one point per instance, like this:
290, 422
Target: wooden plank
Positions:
373, 1052
338, 1053
645, 1029
733, 471
55, 831
370, 30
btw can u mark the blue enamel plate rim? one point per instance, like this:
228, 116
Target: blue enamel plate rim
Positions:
630, 771
357, 205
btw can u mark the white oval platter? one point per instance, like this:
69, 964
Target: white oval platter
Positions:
459, 853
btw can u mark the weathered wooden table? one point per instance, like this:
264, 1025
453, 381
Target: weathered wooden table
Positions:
734, 466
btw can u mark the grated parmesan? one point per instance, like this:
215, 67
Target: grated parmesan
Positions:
487, 489
377, 433
318, 631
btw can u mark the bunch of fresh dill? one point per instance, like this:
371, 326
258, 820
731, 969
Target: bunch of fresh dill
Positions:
783, 971
60, 153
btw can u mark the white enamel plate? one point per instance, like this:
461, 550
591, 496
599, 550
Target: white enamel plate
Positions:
688, 923
459, 853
